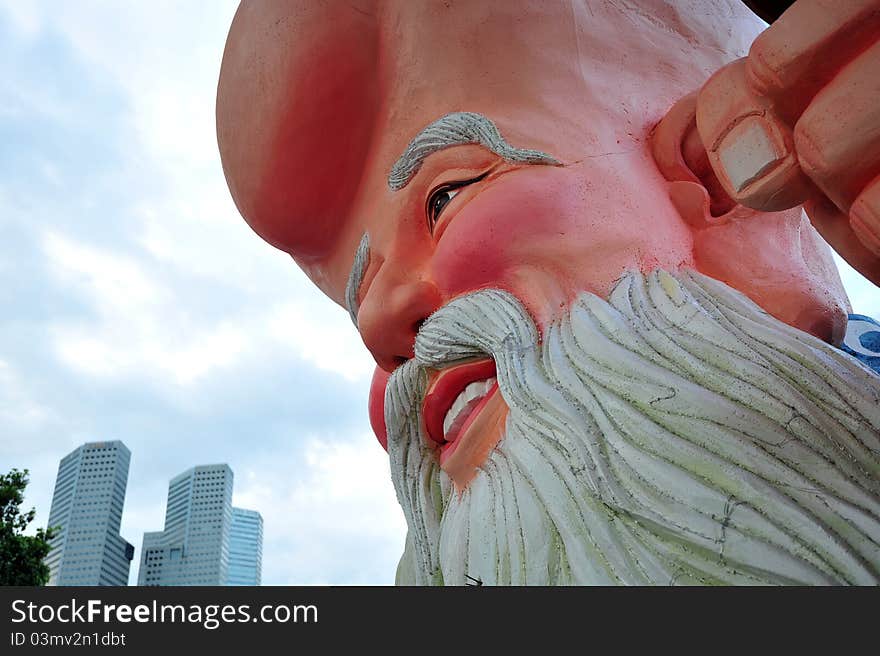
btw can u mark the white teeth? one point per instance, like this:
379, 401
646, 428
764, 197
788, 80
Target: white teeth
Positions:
464, 403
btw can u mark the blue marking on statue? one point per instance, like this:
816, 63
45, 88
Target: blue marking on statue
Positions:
862, 340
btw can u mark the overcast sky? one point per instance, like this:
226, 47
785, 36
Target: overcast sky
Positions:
136, 304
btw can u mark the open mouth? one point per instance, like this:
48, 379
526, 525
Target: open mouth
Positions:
455, 399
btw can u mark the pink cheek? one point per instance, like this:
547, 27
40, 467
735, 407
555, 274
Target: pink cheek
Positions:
467, 262
517, 222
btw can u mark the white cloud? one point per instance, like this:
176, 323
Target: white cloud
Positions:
324, 339
115, 282
141, 327
133, 330
339, 512
21, 101
27, 17
178, 293
169, 70
17, 408
164, 54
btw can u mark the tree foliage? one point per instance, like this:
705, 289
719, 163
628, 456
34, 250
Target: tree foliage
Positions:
21, 556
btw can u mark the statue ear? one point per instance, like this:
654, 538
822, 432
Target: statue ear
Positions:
693, 186
775, 258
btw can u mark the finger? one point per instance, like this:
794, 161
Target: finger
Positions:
796, 56
668, 136
835, 229
681, 157
864, 217
749, 147
837, 139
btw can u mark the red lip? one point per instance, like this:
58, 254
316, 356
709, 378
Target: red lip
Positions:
446, 387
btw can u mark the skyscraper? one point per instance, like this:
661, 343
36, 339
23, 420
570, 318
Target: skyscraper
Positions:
245, 547
194, 547
87, 509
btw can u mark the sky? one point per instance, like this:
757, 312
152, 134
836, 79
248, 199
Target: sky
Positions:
136, 305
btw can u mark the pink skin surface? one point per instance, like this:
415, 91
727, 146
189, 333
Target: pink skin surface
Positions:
376, 405
317, 101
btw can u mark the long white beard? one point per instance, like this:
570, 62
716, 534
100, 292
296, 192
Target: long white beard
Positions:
676, 434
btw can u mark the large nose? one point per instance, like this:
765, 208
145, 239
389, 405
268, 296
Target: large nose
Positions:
390, 315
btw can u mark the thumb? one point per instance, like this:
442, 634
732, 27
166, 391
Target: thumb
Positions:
749, 146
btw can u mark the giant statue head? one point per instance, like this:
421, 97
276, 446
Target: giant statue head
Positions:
593, 366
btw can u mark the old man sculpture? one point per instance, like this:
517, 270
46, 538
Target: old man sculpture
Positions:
596, 364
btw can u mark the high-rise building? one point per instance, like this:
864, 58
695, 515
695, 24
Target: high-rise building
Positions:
245, 547
194, 547
87, 510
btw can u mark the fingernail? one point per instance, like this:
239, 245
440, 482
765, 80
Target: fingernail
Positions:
749, 150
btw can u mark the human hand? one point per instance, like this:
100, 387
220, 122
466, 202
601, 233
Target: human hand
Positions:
798, 122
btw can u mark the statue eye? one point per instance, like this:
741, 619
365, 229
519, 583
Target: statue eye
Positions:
440, 197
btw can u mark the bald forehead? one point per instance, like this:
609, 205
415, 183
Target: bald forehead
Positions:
296, 103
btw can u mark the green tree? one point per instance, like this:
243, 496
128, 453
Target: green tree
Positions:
21, 556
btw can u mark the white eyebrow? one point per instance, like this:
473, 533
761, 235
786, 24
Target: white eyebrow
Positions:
457, 129
356, 277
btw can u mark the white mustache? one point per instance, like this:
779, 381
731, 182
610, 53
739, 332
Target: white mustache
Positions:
488, 322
